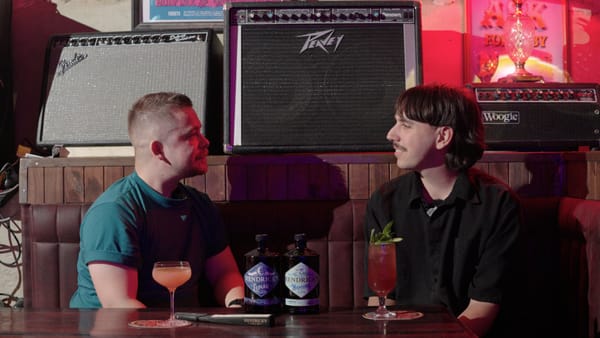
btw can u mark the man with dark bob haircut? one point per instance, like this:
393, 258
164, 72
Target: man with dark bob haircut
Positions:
459, 225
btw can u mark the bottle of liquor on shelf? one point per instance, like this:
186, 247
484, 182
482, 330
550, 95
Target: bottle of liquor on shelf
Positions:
262, 278
301, 291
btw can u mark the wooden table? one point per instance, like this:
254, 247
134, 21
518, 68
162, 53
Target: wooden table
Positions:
113, 322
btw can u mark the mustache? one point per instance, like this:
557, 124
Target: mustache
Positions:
397, 146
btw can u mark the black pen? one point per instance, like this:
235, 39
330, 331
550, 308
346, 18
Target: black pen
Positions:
232, 319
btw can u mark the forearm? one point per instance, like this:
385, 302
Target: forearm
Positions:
479, 316
116, 285
122, 303
228, 288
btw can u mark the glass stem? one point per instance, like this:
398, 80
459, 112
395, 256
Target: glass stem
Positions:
172, 302
382, 308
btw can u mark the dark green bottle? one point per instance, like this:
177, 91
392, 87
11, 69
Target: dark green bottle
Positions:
301, 291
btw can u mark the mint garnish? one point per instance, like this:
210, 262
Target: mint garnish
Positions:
385, 236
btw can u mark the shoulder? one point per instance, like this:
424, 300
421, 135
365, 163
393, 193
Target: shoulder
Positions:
399, 190
483, 180
196, 195
122, 197
488, 187
401, 183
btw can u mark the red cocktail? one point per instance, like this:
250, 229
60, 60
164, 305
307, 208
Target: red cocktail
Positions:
382, 276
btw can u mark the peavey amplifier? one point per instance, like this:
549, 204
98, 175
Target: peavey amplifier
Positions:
539, 115
317, 76
92, 79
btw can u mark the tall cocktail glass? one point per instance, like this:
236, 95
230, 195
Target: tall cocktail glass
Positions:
381, 276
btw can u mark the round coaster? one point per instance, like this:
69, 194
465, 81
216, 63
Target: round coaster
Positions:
159, 323
400, 315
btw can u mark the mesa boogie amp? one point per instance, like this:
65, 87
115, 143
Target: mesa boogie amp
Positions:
539, 115
317, 76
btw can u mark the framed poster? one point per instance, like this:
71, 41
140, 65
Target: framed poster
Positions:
157, 14
486, 58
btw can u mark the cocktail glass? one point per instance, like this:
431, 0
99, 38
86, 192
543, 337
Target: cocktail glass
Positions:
171, 275
381, 277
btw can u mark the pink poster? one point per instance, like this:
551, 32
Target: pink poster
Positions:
486, 55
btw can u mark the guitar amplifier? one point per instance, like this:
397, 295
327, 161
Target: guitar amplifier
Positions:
317, 76
92, 79
529, 116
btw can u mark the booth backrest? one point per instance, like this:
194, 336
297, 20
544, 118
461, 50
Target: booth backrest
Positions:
333, 228
560, 253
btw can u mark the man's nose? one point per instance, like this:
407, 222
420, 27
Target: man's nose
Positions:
390, 134
204, 142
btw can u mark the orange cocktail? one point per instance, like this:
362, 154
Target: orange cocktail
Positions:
171, 277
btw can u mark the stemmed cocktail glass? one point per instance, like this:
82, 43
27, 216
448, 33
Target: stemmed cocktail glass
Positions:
381, 276
171, 275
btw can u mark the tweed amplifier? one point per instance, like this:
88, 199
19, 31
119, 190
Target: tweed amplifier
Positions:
92, 79
522, 116
317, 76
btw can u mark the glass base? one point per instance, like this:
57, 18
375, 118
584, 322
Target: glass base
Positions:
393, 315
160, 324
521, 78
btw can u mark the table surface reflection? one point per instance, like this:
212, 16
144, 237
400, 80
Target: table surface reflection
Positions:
436, 322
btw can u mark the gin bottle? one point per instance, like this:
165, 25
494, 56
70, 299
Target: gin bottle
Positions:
262, 278
301, 292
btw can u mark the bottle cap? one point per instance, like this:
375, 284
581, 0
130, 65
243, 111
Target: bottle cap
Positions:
300, 237
261, 237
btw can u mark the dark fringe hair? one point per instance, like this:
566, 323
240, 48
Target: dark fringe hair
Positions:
443, 105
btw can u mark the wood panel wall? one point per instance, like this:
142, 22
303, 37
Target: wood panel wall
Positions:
306, 176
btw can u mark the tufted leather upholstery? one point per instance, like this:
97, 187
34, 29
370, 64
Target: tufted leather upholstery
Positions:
560, 236
334, 230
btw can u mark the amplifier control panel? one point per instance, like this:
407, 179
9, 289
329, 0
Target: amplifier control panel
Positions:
326, 15
540, 93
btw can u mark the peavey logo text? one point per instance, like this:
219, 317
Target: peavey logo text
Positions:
501, 117
64, 65
322, 39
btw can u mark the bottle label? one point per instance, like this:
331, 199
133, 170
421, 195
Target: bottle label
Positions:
261, 279
302, 302
261, 302
301, 279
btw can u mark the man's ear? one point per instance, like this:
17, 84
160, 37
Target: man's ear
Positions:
156, 148
444, 137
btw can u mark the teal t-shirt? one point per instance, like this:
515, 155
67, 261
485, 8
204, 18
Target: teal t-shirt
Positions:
133, 225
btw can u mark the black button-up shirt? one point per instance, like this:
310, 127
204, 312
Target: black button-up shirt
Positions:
458, 252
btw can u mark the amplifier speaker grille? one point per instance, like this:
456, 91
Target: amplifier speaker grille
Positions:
286, 94
93, 79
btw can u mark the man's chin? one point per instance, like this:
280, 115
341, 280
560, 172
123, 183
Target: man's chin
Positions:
200, 171
401, 164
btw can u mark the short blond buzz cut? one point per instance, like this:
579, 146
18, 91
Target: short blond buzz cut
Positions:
151, 110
